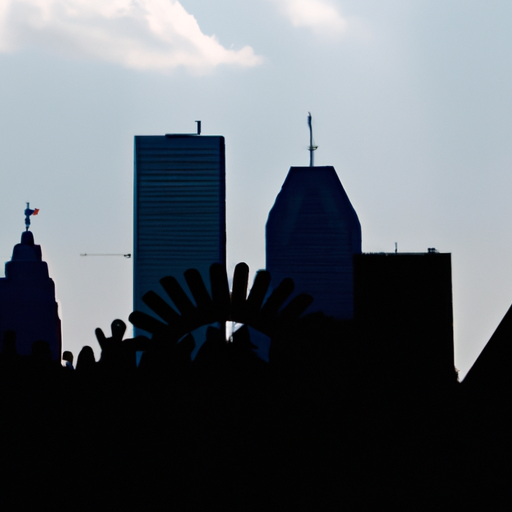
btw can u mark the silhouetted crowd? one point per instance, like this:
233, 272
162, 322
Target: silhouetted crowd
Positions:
321, 425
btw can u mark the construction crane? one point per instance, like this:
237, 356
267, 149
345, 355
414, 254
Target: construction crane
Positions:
107, 254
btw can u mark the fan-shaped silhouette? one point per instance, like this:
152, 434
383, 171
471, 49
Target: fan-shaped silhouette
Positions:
221, 306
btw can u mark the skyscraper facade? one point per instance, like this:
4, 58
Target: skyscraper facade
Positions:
312, 234
180, 209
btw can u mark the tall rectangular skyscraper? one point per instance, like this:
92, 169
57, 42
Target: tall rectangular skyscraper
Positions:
180, 209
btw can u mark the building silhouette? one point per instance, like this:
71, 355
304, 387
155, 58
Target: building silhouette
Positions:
312, 233
403, 308
179, 210
489, 375
27, 299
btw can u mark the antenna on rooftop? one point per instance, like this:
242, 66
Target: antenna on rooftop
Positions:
311, 147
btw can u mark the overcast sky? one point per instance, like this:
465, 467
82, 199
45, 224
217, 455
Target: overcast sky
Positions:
411, 103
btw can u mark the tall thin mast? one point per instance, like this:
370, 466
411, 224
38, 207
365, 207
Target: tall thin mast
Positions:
311, 146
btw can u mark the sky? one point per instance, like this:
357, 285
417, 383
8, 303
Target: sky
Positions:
410, 100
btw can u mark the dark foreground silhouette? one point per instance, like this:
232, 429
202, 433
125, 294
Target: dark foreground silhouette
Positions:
321, 425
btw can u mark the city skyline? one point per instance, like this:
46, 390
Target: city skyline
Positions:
410, 104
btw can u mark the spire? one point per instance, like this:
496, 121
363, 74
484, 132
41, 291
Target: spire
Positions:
28, 213
311, 147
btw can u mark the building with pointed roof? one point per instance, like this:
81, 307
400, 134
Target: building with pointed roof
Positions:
27, 299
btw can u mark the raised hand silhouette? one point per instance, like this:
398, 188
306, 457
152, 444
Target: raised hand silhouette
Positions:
116, 352
268, 317
112, 344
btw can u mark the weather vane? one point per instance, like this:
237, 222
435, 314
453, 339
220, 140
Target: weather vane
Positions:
311, 147
28, 213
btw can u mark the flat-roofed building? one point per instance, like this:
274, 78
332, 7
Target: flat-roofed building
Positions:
180, 209
403, 305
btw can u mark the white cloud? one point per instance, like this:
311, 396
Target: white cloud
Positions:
321, 16
140, 34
